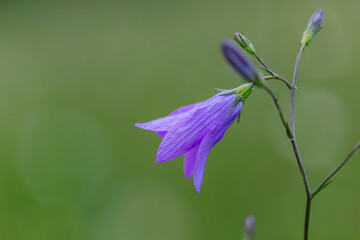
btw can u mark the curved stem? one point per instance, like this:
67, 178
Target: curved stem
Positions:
287, 83
292, 139
297, 65
284, 122
261, 61
292, 91
274, 75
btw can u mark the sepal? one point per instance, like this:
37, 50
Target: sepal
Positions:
242, 93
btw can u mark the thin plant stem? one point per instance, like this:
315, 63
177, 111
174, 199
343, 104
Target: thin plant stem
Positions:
292, 139
261, 61
284, 122
337, 169
301, 166
275, 75
286, 82
292, 91
297, 65
290, 131
296, 150
307, 217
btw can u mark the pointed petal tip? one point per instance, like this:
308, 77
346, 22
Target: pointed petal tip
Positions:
197, 185
188, 176
160, 158
138, 125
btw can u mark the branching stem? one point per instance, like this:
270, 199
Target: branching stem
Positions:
286, 82
301, 166
274, 75
290, 131
292, 139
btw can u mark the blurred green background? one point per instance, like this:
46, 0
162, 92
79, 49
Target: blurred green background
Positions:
76, 76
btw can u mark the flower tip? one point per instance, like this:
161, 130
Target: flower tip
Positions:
226, 44
187, 174
239, 63
140, 125
320, 12
318, 16
197, 184
314, 26
158, 159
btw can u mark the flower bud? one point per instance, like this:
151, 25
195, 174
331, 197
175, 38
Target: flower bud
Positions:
244, 43
314, 26
241, 64
249, 228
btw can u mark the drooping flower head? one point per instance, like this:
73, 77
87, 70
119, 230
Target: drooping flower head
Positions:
193, 130
313, 27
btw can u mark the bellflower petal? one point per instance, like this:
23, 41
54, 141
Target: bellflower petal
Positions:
194, 126
162, 125
158, 125
193, 130
207, 143
239, 63
189, 161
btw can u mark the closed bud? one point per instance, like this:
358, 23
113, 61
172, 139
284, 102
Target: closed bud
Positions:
313, 27
241, 64
244, 43
249, 228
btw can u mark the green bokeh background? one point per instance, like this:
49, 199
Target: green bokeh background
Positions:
76, 76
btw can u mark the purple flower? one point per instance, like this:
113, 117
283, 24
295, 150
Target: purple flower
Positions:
249, 227
239, 63
193, 130
313, 27
316, 20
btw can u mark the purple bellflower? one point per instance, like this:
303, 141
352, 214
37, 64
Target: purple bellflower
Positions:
193, 130
240, 64
313, 27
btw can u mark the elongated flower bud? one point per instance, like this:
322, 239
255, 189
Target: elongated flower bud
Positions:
249, 228
240, 63
244, 43
314, 26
